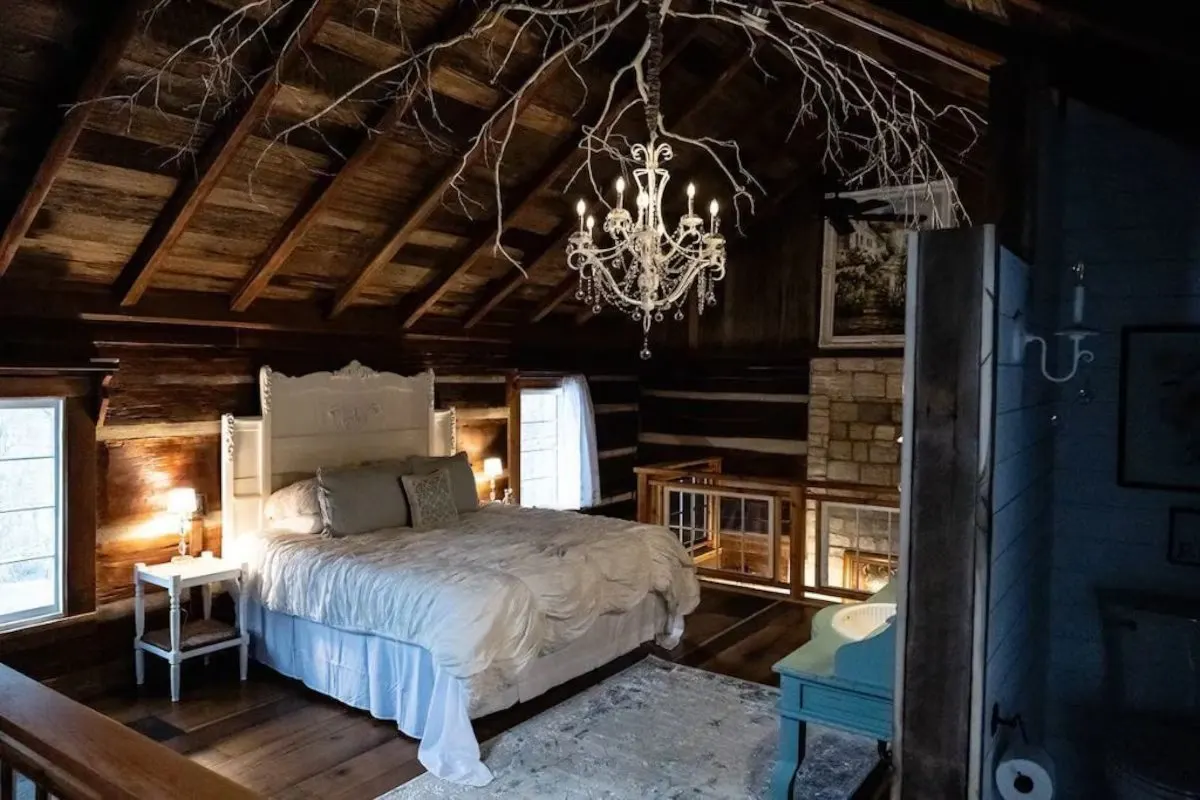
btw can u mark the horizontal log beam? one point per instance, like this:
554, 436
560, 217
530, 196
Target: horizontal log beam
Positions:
211, 310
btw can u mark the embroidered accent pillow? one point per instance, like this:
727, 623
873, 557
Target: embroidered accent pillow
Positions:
431, 500
462, 479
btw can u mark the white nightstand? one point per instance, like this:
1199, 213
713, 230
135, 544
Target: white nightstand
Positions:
198, 637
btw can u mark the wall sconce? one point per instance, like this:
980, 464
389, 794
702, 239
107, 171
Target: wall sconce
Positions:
1076, 333
182, 503
493, 468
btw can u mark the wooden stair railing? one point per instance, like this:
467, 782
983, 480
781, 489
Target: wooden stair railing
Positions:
68, 751
773, 546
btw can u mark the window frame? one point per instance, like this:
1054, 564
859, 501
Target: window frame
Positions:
548, 388
59, 608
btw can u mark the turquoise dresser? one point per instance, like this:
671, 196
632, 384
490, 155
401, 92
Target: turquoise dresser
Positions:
836, 680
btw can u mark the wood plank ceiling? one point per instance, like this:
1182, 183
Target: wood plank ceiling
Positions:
352, 224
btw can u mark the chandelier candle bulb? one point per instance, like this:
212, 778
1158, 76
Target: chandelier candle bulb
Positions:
620, 192
581, 210
691, 195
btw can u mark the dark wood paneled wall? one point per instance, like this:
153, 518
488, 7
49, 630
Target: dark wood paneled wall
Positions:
616, 398
751, 412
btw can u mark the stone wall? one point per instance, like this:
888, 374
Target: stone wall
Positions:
855, 412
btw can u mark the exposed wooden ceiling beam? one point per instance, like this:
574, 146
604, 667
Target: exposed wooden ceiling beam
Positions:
966, 56
429, 202
319, 197
104, 65
192, 190
557, 245
558, 295
564, 159
211, 310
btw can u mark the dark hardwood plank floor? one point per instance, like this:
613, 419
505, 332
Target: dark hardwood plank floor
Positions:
282, 740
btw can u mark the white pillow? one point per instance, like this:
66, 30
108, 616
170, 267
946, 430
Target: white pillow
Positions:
298, 499
307, 523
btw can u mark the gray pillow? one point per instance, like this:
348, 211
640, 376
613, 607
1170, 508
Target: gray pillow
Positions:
361, 500
462, 479
431, 499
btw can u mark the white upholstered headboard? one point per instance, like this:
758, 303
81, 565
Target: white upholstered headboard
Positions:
323, 419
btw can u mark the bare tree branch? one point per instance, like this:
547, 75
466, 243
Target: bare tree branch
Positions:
877, 128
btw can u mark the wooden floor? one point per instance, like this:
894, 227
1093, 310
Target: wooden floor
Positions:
278, 738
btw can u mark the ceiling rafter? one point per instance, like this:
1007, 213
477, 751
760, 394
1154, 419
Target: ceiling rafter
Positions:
317, 200
564, 159
557, 245
191, 192
430, 201
558, 295
103, 67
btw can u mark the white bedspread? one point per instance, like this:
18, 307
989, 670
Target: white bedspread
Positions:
501, 587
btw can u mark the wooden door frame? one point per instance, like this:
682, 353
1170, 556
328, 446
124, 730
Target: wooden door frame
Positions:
516, 383
945, 530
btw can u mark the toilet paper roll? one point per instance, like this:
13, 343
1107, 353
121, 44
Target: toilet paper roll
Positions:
1025, 773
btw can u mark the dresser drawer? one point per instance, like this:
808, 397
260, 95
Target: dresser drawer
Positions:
869, 715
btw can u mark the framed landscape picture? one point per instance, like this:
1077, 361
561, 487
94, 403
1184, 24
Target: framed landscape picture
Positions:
1159, 416
865, 266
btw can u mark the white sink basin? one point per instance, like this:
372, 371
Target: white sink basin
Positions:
856, 622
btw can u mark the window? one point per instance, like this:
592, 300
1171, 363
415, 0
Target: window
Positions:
31, 510
539, 447
558, 466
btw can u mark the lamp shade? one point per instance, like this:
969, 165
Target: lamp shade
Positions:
182, 501
493, 467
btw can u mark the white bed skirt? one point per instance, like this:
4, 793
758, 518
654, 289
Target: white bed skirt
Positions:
398, 681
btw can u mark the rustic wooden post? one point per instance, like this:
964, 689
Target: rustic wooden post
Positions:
644, 509
944, 536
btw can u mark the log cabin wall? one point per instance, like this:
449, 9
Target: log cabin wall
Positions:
162, 429
734, 381
159, 427
616, 398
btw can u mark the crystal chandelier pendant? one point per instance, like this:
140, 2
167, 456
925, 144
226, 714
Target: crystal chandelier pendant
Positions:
643, 269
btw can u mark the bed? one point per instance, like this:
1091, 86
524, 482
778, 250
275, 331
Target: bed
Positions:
429, 628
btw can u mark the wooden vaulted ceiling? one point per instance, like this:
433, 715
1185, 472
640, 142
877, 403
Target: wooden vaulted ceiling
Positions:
102, 217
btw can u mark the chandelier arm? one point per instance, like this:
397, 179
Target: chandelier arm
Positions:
605, 279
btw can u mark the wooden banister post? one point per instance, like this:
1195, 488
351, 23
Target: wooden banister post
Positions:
643, 498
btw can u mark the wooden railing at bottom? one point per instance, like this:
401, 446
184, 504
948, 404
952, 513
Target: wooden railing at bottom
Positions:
68, 751
767, 533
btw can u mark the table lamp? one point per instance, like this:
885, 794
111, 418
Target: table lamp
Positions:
493, 468
182, 503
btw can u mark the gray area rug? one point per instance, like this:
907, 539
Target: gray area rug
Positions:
657, 729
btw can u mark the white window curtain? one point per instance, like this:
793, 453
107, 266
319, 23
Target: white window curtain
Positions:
579, 465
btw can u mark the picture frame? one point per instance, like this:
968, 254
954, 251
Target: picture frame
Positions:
1183, 543
1158, 439
864, 275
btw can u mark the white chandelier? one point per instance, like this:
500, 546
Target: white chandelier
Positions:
646, 270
